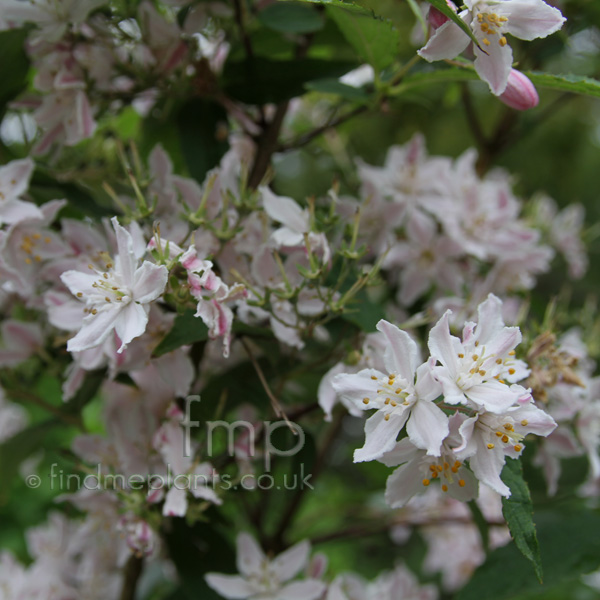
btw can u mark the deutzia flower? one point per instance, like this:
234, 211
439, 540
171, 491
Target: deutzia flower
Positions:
490, 21
14, 181
406, 391
489, 438
117, 298
262, 578
473, 370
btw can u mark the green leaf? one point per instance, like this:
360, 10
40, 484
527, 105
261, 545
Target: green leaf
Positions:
14, 65
518, 512
570, 547
187, 329
200, 124
566, 83
424, 78
262, 80
291, 18
363, 312
335, 86
374, 40
443, 7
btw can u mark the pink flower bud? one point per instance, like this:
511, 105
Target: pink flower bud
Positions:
436, 18
520, 93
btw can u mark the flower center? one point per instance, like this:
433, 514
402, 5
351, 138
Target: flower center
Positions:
446, 471
491, 24
29, 245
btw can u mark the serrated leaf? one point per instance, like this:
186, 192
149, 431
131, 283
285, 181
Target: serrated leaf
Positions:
262, 80
566, 83
335, 86
290, 17
186, 330
518, 512
374, 40
443, 7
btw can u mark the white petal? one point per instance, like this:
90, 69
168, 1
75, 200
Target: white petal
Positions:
442, 345
380, 435
229, 586
355, 387
285, 211
494, 67
13, 211
149, 282
448, 41
487, 465
401, 353
94, 330
249, 555
131, 323
80, 283
290, 562
127, 262
302, 590
404, 451
403, 484
175, 503
494, 396
530, 19
15, 176
427, 427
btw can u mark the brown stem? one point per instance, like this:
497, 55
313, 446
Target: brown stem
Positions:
132, 571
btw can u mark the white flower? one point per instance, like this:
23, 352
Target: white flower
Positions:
14, 181
490, 21
473, 369
406, 391
264, 579
116, 299
488, 438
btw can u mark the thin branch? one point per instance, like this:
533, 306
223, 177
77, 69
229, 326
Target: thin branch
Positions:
311, 135
274, 401
239, 19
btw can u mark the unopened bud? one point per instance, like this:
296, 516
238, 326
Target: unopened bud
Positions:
437, 18
520, 93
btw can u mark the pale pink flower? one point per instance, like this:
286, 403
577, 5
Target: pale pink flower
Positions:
14, 181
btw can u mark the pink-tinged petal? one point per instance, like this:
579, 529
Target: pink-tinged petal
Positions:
176, 369
531, 19
149, 282
24, 338
317, 566
401, 353
447, 42
487, 465
15, 176
79, 283
203, 492
292, 561
231, 587
127, 262
443, 346
85, 122
380, 435
403, 451
355, 387
427, 387
538, 422
15, 211
404, 483
495, 66
249, 555
427, 427
285, 211
131, 323
175, 502
490, 321
94, 330
160, 164
415, 282
492, 395
302, 590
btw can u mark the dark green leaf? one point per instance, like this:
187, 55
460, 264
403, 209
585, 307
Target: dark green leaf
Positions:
569, 544
374, 40
518, 512
364, 312
443, 7
14, 65
263, 80
200, 123
566, 83
187, 329
291, 18
335, 86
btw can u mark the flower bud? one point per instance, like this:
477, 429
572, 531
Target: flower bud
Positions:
436, 18
520, 93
